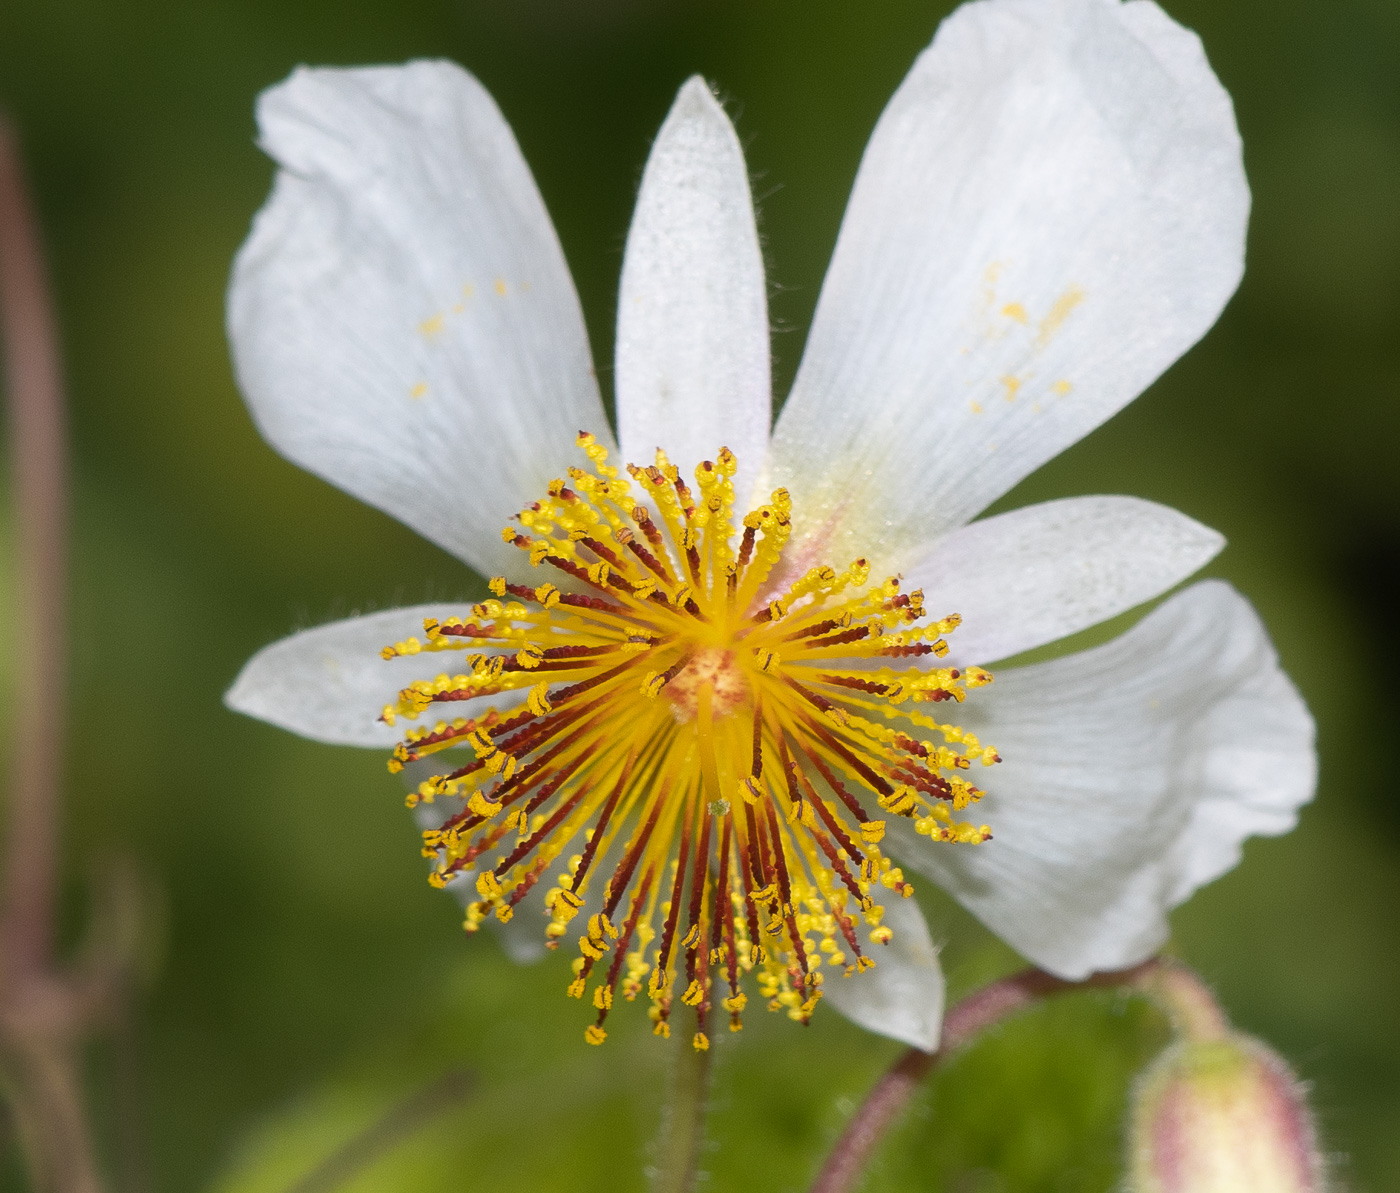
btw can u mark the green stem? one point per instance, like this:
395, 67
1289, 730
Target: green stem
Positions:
682, 1138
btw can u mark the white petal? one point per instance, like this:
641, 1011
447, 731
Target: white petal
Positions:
902, 997
692, 316
1037, 574
330, 683
1132, 775
402, 319
1051, 210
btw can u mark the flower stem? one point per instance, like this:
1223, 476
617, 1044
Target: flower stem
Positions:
43, 1013
1185, 1000
968, 1019
34, 385
682, 1137
397, 1125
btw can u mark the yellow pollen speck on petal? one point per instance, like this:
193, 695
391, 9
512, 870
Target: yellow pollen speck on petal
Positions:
1062, 387
976, 407
418, 390
432, 327
500, 287
1060, 310
693, 761
1016, 312
1012, 386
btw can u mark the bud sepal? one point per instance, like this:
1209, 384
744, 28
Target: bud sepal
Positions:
1222, 1114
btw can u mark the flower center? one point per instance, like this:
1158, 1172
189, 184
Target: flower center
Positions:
710, 748
719, 669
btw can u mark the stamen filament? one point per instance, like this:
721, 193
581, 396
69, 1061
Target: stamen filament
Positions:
676, 702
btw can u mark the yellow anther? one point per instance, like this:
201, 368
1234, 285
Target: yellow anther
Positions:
594, 1034
893, 878
538, 700
901, 801
701, 1042
797, 718
479, 805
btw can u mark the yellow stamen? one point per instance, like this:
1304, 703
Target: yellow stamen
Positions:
720, 737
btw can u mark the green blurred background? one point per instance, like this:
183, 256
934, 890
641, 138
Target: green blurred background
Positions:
302, 976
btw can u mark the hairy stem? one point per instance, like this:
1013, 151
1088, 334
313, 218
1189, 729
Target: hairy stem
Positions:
1187, 1002
980, 1010
682, 1138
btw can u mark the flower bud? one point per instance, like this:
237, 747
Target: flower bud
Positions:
1222, 1115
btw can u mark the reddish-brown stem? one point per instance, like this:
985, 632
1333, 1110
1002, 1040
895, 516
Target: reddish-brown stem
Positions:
33, 382
42, 1013
968, 1019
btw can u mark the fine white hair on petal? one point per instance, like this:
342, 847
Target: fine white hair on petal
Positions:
902, 997
1050, 211
1132, 775
1037, 574
330, 683
402, 319
692, 314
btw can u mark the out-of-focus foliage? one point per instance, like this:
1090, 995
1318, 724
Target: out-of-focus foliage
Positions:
308, 975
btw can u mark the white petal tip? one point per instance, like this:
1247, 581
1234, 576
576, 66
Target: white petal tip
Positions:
696, 96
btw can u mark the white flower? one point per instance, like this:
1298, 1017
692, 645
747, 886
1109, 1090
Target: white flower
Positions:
1050, 211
